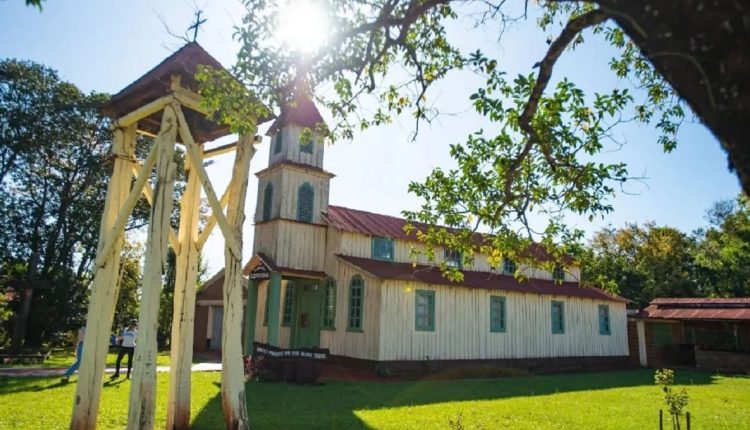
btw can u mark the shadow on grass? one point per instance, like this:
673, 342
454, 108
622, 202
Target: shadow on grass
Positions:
282, 406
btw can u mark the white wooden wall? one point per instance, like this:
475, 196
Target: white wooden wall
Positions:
290, 136
286, 181
261, 331
359, 245
462, 326
292, 244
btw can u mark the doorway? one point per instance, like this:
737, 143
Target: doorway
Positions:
306, 323
217, 319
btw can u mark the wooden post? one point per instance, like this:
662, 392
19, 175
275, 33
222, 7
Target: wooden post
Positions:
183, 316
250, 309
143, 389
103, 288
274, 300
233, 372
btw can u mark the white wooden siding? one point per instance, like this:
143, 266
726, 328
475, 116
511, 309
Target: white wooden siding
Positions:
359, 245
261, 330
363, 344
462, 326
290, 149
292, 244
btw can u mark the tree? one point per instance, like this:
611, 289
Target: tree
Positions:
722, 256
130, 284
537, 157
641, 263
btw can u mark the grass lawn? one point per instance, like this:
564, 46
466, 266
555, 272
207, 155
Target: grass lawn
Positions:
617, 400
64, 357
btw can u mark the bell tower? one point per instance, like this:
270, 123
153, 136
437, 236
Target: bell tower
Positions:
293, 190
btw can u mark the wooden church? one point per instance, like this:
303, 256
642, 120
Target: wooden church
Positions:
343, 279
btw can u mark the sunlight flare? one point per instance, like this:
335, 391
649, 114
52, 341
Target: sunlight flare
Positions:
302, 25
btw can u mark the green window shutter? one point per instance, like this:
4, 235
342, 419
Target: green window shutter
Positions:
306, 146
558, 317
305, 202
509, 266
497, 314
329, 304
382, 248
356, 303
268, 202
424, 310
277, 143
286, 318
604, 324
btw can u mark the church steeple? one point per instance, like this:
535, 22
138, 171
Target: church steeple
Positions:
297, 135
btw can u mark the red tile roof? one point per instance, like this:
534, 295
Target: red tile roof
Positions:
304, 113
479, 280
736, 309
358, 221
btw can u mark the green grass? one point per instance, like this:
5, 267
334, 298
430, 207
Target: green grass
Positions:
64, 357
617, 400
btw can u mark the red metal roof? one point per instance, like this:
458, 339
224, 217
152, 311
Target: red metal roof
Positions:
358, 221
472, 279
736, 309
271, 264
303, 113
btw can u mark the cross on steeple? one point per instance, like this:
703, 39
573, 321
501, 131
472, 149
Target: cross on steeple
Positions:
198, 22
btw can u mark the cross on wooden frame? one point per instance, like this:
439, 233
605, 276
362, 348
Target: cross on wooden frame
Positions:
196, 25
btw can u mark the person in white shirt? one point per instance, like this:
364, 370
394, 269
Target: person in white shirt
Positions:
127, 346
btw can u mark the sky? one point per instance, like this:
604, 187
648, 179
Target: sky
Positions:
105, 45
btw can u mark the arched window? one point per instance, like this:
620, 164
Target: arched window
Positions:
277, 143
509, 266
356, 303
306, 144
267, 202
305, 203
329, 304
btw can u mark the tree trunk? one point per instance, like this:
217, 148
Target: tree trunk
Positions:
143, 389
19, 328
103, 288
183, 318
233, 372
702, 48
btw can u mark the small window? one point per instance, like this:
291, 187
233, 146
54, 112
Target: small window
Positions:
277, 143
558, 274
286, 318
306, 145
356, 303
662, 334
305, 202
424, 310
604, 326
558, 317
329, 304
509, 266
453, 258
497, 314
382, 248
267, 202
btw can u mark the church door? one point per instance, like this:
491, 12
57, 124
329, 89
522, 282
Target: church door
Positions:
306, 330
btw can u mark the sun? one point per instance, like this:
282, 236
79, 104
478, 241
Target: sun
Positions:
302, 25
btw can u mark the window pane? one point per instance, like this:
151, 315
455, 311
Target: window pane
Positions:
356, 293
288, 299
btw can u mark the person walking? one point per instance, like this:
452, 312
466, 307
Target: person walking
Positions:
79, 355
127, 346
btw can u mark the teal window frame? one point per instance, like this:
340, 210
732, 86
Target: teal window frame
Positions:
382, 248
286, 318
268, 202
509, 266
558, 324
277, 143
497, 314
558, 273
605, 323
328, 322
305, 202
424, 318
356, 312
454, 258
